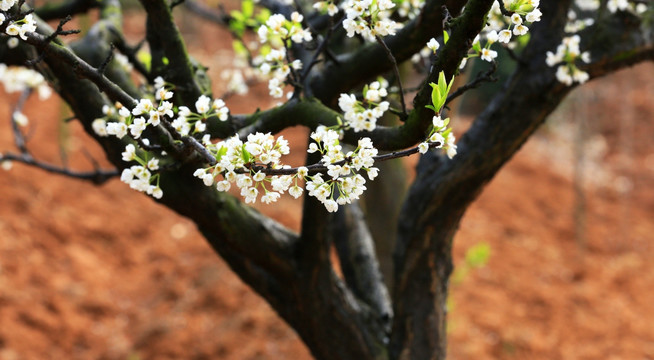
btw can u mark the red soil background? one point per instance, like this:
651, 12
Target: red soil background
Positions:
103, 272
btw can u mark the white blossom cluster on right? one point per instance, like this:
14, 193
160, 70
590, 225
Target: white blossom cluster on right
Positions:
343, 183
234, 157
565, 57
440, 136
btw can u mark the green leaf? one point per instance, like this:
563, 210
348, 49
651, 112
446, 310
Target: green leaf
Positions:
446, 122
239, 48
264, 50
246, 154
476, 47
478, 255
449, 86
145, 58
435, 96
165, 60
263, 16
248, 8
446, 37
221, 152
237, 16
442, 83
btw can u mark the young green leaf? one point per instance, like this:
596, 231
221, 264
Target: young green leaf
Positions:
246, 154
435, 96
247, 6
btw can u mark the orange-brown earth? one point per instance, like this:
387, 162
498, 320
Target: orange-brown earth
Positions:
102, 272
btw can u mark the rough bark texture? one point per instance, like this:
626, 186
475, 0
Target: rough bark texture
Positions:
350, 318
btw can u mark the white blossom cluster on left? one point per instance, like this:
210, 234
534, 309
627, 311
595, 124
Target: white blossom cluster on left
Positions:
18, 79
119, 121
16, 27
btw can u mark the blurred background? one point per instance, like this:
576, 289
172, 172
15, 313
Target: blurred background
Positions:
553, 260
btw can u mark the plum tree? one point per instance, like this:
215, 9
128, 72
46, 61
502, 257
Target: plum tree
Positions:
335, 66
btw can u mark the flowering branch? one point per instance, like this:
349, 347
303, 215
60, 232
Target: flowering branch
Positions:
363, 63
321, 168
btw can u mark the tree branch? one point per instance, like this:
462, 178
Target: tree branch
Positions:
354, 68
51, 11
356, 252
98, 176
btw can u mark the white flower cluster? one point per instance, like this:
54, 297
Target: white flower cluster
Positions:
20, 27
369, 18
524, 11
139, 177
574, 24
568, 52
486, 53
326, 7
135, 121
363, 115
18, 79
344, 183
410, 8
276, 64
234, 157
5, 5
243, 163
279, 33
278, 27
440, 137
430, 48
624, 5
235, 79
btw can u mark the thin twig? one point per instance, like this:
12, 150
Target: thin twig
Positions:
105, 63
98, 176
481, 78
321, 47
19, 139
396, 70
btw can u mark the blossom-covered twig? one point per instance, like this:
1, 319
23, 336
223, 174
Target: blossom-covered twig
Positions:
321, 168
